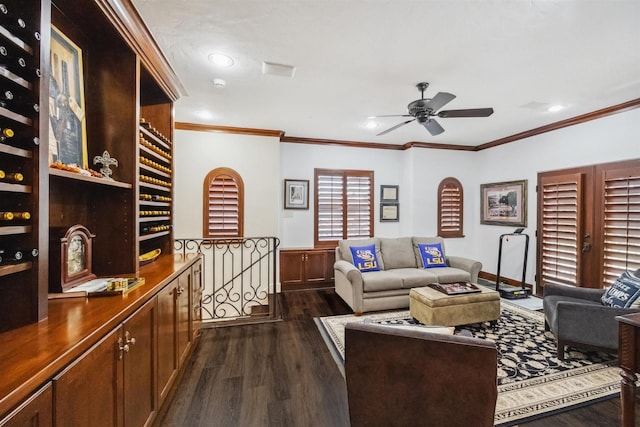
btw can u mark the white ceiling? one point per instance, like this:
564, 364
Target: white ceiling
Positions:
358, 58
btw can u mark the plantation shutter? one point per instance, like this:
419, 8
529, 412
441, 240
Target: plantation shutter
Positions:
343, 206
450, 208
359, 203
223, 204
329, 206
621, 223
561, 201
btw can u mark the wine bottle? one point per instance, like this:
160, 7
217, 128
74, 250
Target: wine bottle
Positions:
18, 104
16, 177
12, 216
7, 256
6, 133
18, 136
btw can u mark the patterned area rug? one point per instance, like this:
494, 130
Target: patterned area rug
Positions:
532, 382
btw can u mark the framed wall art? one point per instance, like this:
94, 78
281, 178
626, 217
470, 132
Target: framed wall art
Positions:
504, 203
389, 212
296, 194
389, 193
68, 135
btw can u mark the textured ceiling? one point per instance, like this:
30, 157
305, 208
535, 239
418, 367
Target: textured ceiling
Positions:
358, 58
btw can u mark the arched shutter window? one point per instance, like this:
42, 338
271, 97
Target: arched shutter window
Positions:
450, 208
223, 204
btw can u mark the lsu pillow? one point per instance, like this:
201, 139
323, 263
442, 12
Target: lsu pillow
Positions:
624, 293
432, 255
364, 258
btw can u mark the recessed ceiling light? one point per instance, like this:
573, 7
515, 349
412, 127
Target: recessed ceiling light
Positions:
371, 124
219, 83
221, 60
555, 108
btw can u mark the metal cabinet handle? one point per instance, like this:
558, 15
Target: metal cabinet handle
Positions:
122, 348
129, 339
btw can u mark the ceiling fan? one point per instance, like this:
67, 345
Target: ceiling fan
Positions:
424, 109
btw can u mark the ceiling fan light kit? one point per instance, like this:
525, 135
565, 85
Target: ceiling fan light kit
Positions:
424, 109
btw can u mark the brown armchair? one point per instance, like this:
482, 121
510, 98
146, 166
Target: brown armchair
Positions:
399, 377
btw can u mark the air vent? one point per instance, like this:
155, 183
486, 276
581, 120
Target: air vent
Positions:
273, 69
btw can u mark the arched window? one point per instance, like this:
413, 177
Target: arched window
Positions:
450, 208
223, 204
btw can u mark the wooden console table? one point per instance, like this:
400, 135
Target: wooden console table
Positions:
629, 356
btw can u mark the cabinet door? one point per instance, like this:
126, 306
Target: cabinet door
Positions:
167, 339
37, 411
316, 266
139, 366
88, 392
183, 314
291, 268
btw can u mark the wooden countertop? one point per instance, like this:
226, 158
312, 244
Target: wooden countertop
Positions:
33, 354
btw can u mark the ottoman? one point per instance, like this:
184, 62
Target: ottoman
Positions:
432, 307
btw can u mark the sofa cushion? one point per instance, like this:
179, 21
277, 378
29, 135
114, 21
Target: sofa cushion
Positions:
344, 246
451, 274
374, 281
432, 255
364, 257
415, 277
397, 253
624, 293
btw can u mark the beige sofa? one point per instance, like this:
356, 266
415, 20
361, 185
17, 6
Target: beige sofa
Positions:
401, 269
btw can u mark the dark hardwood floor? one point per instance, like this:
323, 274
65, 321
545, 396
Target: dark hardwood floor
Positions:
282, 374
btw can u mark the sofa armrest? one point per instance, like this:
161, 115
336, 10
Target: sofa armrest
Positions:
589, 294
466, 264
348, 269
348, 284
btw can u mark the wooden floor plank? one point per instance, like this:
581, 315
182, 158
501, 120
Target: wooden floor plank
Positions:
282, 374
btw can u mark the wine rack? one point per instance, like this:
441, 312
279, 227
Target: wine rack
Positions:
20, 88
155, 188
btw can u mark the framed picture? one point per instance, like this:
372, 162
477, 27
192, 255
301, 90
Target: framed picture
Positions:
388, 193
68, 135
504, 203
389, 212
296, 194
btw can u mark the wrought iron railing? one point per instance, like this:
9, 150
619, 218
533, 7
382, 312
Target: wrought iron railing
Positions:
239, 277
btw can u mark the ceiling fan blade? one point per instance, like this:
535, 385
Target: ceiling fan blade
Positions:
390, 115
433, 127
471, 112
438, 101
395, 127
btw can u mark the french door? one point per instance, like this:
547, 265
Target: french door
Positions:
588, 228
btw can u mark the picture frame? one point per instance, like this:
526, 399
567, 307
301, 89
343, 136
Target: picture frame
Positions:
296, 194
67, 118
504, 203
389, 193
389, 212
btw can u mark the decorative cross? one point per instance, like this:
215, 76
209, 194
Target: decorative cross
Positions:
106, 160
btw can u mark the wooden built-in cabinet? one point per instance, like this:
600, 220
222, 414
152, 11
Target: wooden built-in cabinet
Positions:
129, 91
306, 268
116, 365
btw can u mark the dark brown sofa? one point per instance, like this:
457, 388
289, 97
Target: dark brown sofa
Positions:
399, 377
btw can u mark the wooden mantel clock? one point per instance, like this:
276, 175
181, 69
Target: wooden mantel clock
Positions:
75, 257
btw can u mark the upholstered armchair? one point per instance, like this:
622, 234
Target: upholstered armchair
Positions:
577, 317
400, 377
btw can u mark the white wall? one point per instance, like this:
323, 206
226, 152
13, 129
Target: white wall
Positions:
264, 163
255, 158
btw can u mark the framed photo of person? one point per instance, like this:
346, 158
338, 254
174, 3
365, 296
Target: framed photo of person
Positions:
296, 194
67, 124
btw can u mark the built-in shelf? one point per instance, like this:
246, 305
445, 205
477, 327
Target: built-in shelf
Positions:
19, 152
157, 140
154, 235
154, 170
6, 270
85, 178
15, 188
15, 229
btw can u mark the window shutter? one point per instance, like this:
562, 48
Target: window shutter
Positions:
344, 205
358, 207
329, 190
621, 224
450, 208
223, 204
561, 227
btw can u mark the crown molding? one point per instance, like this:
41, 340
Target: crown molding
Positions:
229, 129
